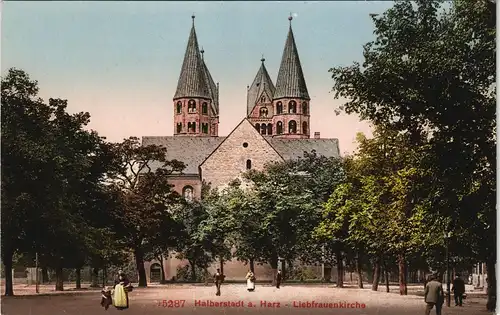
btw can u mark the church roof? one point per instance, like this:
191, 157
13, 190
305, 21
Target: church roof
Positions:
290, 81
213, 89
194, 150
291, 149
262, 83
190, 150
192, 80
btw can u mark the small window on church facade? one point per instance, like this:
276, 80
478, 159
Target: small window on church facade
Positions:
292, 107
257, 126
179, 107
304, 108
304, 128
279, 127
188, 193
179, 127
192, 106
204, 127
249, 164
263, 112
270, 129
245, 144
292, 126
204, 108
263, 99
263, 129
279, 108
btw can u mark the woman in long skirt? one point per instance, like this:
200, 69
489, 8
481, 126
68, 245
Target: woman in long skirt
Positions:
250, 281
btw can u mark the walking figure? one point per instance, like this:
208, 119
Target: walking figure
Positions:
278, 279
218, 279
458, 290
250, 281
434, 296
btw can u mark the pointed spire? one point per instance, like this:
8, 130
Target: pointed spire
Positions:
192, 81
290, 81
261, 84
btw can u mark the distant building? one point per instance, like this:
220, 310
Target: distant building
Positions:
277, 128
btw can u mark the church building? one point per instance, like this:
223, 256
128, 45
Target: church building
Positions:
276, 128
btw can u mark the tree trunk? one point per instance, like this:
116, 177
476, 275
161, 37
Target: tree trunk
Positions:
386, 273
78, 278
193, 270
95, 278
491, 283
104, 276
274, 267
45, 275
59, 279
403, 290
7, 263
163, 278
340, 269
359, 270
252, 265
221, 261
376, 275
139, 261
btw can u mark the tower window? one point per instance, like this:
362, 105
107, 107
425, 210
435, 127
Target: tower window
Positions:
304, 108
263, 99
263, 112
249, 164
191, 126
204, 108
292, 107
279, 127
292, 126
304, 128
245, 145
192, 106
204, 128
257, 126
279, 108
269, 129
263, 129
179, 127
179, 107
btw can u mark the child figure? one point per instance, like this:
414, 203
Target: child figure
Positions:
106, 300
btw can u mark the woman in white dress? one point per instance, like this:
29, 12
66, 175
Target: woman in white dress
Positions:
250, 281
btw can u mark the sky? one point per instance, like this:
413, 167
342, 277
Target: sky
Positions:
120, 61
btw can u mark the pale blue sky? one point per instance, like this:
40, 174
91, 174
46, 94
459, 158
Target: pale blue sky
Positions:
121, 60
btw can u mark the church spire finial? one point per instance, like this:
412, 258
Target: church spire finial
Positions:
290, 18
262, 58
192, 17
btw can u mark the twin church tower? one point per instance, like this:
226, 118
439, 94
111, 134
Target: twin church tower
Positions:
281, 111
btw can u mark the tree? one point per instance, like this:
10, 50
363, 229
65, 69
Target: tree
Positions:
433, 69
146, 197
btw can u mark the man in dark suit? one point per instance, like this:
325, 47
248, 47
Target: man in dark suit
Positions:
278, 279
434, 296
458, 290
218, 279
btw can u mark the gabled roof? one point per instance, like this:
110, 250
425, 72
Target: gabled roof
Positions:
290, 81
191, 150
213, 89
261, 84
192, 80
244, 120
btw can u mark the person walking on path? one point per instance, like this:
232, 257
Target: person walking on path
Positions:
434, 296
218, 279
458, 290
278, 279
